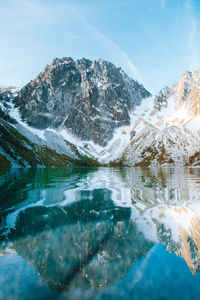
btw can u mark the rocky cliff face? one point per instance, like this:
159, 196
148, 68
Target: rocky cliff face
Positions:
167, 131
90, 99
186, 93
7, 94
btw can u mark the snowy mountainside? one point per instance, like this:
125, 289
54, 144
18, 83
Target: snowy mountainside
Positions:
167, 128
73, 108
164, 134
157, 130
25, 146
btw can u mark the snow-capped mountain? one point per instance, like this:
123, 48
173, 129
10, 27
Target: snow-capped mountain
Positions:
92, 111
88, 98
166, 128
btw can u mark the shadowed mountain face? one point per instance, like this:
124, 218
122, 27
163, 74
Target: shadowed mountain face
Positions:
6, 97
90, 99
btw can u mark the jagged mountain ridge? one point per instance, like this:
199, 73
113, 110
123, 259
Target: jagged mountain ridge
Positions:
89, 98
121, 124
186, 93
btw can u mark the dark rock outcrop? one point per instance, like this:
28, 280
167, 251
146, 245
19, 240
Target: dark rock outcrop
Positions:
6, 97
161, 100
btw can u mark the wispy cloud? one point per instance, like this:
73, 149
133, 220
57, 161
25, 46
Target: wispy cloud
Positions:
74, 36
193, 48
122, 55
162, 4
46, 15
65, 23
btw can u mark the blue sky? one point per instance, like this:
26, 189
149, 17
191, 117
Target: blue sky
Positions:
154, 41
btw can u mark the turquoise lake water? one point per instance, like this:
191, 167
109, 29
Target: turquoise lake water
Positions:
100, 233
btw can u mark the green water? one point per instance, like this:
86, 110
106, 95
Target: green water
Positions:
103, 233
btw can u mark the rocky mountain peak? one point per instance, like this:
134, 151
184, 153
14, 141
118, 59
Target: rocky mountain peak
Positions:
186, 93
186, 74
88, 98
7, 94
162, 97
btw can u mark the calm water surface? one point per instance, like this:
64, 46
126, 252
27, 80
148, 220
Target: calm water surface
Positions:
104, 233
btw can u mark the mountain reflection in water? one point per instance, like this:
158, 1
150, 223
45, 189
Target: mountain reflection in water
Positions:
86, 229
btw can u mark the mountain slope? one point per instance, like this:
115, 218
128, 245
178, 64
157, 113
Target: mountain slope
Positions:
92, 111
21, 145
167, 129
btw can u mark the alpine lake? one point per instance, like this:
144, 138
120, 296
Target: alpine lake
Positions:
100, 233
